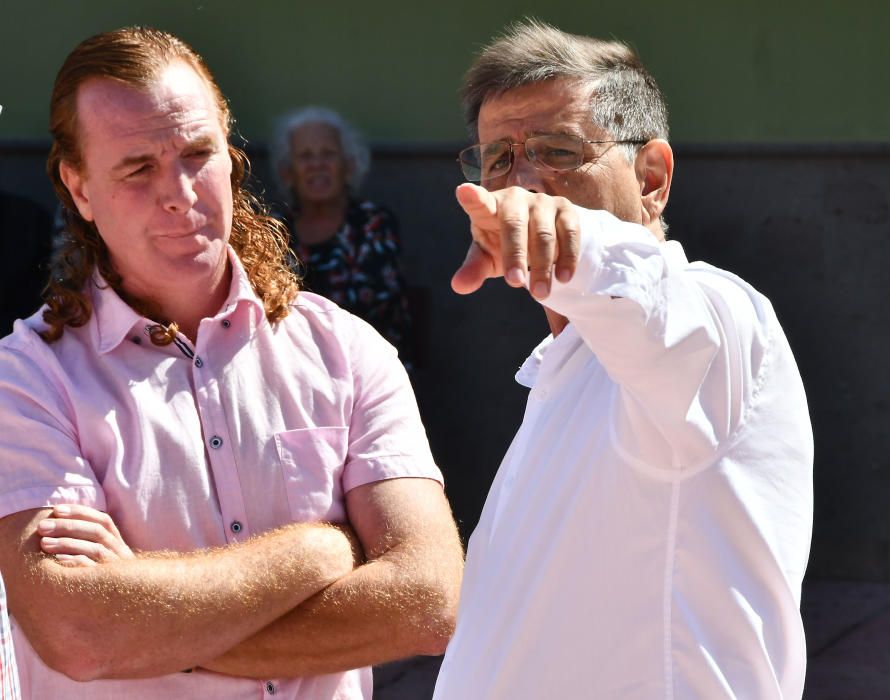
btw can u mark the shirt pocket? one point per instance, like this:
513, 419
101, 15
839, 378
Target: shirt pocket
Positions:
312, 461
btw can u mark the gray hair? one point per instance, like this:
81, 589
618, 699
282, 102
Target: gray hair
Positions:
354, 147
625, 100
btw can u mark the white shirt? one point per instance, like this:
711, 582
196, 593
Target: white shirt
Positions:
648, 530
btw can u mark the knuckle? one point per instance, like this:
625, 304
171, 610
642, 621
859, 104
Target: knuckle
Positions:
514, 220
545, 236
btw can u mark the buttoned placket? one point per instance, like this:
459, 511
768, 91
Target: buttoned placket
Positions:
219, 448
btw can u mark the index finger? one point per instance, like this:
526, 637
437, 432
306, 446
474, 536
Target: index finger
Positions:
476, 201
513, 215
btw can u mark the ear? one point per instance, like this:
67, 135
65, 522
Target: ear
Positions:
654, 167
77, 187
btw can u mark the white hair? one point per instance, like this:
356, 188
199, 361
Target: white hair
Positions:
354, 148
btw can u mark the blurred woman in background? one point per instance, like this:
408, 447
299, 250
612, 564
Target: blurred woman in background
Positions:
349, 248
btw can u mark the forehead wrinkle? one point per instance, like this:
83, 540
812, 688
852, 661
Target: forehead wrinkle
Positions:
521, 115
148, 118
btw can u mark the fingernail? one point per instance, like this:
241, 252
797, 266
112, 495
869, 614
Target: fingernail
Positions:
46, 526
63, 510
516, 276
563, 274
540, 290
49, 541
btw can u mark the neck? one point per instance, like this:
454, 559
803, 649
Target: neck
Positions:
319, 208
557, 322
320, 220
186, 302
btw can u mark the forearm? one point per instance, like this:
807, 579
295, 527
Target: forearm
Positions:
399, 605
161, 613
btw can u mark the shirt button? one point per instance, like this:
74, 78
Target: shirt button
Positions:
270, 688
235, 526
226, 323
199, 362
216, 442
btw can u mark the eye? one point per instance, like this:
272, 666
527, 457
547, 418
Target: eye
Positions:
558, 152
200, 153
141, 170
494, 165
495, 160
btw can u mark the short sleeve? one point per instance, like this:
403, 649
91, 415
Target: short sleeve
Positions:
39, 450
386, 437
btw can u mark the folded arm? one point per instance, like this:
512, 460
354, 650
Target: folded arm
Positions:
401, 602
160, 613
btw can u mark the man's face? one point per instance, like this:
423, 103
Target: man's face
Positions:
318, 171
155, 179
561, 107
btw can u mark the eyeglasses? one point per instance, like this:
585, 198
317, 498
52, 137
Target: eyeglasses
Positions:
549, 152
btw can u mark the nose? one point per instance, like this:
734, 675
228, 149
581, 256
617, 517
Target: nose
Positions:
178, 191
523, 173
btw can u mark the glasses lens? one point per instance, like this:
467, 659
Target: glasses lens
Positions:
485, 161
556, 151
471, 163
495, 159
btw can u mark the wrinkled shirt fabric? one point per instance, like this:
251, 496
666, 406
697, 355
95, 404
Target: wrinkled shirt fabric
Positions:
647, 532
192, 446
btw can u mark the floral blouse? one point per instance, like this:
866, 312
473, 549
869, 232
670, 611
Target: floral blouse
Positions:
358, 270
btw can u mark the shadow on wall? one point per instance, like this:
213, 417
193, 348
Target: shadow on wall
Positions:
805, 225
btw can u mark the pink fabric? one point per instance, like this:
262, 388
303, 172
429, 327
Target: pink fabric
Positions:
9, 676
189, 447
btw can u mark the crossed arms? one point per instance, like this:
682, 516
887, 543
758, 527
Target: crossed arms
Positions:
287, 603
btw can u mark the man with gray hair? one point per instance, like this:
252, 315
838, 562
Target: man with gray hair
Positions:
648, 530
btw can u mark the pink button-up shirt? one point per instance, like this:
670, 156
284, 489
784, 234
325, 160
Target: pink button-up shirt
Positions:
191, 446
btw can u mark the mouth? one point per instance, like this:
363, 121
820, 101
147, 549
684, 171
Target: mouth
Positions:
182, 234
178, 232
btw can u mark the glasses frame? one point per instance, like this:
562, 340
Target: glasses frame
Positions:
534, 161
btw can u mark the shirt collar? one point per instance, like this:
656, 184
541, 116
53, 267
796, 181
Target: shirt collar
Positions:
528, 372
674, 255
115, 319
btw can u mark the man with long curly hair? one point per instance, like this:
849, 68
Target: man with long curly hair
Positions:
213, 485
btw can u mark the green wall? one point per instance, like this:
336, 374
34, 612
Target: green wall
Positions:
733, 71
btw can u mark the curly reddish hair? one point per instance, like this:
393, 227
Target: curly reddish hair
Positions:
137, 56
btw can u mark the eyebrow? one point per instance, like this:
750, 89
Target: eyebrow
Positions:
536, 132
132, 161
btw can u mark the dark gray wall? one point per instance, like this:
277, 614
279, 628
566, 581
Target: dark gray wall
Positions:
806, 225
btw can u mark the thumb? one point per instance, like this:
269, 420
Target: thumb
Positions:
476, 268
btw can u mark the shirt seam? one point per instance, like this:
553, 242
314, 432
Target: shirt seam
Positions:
41, 496
724, 446
667, 602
